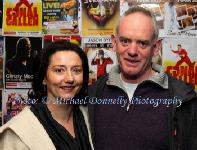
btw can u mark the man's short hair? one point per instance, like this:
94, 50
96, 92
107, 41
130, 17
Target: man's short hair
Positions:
146, 12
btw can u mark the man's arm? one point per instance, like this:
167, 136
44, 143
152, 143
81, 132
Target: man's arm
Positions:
94, 61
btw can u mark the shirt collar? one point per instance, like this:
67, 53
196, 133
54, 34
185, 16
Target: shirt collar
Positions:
159, 78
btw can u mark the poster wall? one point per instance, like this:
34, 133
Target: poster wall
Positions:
47, 39
22, 17
20, 53
99, 18
13, 101
101, 57
180, 59
61, 17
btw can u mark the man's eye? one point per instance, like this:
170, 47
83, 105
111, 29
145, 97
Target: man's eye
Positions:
143, 44
124, 41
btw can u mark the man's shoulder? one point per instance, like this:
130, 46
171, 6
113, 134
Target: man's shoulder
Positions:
180, 87
11, 64
173, 81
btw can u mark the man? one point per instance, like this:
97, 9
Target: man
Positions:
22, 62
160, 113
184, 57
101, 63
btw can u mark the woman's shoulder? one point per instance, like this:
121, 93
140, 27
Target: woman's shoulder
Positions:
9, 137
28, 129
17, 121
9, 140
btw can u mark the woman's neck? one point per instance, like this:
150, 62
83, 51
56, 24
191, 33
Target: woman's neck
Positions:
63, 114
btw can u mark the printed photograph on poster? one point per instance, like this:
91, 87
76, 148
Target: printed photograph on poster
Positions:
101, 57
100, 17
47, 39
180, 59
154, 6
181, 12
22, 17
19, 55
13, 101
187, 23
61, 17
192, 11
156, 9
180, 17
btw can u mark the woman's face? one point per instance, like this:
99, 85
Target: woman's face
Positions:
64, 77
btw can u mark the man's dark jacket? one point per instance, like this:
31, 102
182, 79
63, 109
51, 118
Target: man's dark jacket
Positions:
182, 120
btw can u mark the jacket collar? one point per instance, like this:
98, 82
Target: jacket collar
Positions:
159, 78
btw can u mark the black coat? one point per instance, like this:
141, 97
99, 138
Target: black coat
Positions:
182, 121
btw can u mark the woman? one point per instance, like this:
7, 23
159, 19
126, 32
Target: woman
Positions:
60, 73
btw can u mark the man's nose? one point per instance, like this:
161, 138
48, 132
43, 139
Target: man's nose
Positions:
132, 49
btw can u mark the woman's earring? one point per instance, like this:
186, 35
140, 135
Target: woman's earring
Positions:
44, 85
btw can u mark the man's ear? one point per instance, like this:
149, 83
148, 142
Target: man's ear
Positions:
113, 38
157, 47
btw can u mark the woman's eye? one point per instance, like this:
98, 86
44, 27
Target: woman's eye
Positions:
59, 70
77, 71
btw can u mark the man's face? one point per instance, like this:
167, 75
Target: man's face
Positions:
101, 56
171, 1
135, 46
179, 47
28, 47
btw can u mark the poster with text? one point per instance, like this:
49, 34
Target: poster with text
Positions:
47, 39
180, 18
180, 59
101, 57
61, 16
99, 17
22, 17
156, 7
19, 55
13, 101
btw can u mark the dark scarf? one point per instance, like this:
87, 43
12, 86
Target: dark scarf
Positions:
60, 137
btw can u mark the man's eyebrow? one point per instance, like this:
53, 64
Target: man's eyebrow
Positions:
123, 37
144, 41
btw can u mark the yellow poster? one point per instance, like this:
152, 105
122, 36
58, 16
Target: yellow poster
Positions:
22, 17
99, 18
179, 59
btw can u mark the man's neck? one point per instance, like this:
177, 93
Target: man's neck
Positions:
136, 80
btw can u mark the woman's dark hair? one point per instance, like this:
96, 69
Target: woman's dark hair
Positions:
42, 61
